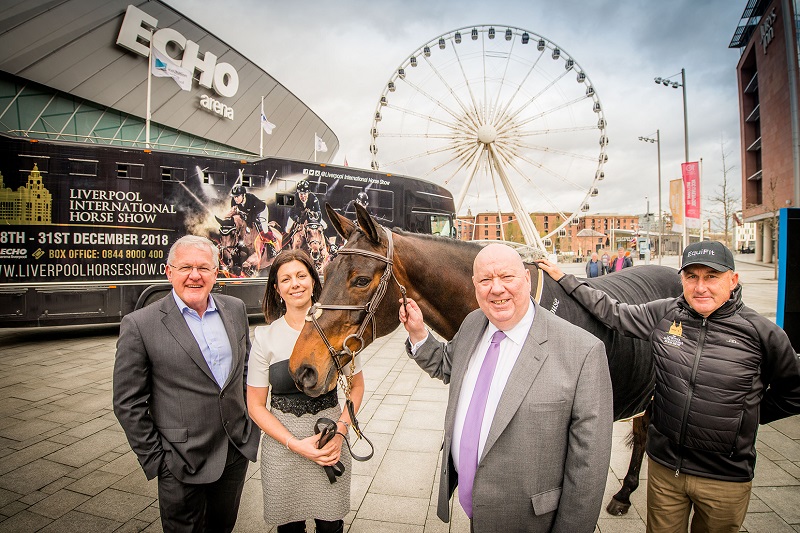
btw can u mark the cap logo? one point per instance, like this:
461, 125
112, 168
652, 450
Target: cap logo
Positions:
699, 252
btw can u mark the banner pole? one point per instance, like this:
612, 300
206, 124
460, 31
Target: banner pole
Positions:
147, 111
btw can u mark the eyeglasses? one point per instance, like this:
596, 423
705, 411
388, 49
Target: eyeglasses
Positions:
187, 269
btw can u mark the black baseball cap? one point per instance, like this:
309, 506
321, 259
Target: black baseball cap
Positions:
712, 254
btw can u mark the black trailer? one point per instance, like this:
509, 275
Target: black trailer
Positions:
86, 228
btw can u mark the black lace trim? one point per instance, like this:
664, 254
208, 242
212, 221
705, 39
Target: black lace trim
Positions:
299, 404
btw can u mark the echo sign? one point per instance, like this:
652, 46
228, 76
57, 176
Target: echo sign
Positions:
138, 28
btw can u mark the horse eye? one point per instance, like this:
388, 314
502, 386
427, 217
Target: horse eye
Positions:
361, 281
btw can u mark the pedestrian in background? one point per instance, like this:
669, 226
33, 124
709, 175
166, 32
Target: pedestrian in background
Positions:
620, 261
594, 268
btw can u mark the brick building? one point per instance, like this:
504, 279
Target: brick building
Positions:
579, 236
768, 112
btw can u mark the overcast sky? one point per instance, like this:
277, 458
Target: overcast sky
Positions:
338, 56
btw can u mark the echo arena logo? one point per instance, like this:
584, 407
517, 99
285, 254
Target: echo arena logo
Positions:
137, 29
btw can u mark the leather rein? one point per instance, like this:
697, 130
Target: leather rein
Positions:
370, 308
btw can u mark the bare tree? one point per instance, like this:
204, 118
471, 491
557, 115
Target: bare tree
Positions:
725, 199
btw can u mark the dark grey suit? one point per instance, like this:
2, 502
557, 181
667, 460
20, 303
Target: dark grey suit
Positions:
546, 457
174, 413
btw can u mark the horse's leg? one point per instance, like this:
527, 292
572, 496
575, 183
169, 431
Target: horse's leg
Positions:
621, 501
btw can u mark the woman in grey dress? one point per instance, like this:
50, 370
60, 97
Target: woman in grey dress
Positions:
296, 487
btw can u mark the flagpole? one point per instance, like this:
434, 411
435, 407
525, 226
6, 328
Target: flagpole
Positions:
261, 128
147, 111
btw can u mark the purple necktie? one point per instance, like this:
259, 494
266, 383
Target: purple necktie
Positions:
471, 434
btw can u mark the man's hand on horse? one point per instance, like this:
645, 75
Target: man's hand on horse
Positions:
411, 318
551, 268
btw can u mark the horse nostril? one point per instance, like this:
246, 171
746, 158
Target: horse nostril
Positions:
307, 377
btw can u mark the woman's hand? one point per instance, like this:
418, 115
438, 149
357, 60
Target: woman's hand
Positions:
328, 455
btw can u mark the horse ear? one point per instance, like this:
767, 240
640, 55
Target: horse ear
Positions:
343, 225
367, 224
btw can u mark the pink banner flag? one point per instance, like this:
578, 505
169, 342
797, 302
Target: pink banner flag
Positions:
691, 189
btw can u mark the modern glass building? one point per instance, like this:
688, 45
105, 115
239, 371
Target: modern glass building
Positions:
77, 70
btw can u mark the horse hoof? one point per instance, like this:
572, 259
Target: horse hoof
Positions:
617, 508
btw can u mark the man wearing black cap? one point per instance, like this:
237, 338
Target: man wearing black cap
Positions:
721, 370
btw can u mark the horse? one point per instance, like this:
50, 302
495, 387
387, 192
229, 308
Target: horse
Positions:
240, 259
233, 253
377, 268
310, 237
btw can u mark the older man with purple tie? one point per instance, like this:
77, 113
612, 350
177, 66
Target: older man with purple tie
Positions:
529, 417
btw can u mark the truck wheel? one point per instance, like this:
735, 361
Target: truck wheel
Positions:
156, 296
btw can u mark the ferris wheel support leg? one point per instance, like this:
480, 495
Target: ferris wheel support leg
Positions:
523, 219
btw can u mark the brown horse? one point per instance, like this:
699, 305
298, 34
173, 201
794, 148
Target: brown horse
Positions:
364, 285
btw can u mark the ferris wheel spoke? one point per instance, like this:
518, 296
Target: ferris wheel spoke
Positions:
549, 150
423, 116
451, 90
419, 155
437, 102
538, 189
522, 83
418, 135
535, 97
534, 133
475, 106
559, 176
463, 156
496, 105
508, 123
464, 188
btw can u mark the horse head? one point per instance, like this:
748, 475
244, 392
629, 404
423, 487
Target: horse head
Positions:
359, 302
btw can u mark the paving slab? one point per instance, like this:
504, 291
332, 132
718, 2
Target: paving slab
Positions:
65, 464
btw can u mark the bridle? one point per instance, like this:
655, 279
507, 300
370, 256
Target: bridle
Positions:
370, 308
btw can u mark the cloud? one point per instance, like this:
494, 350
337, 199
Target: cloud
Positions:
338, 56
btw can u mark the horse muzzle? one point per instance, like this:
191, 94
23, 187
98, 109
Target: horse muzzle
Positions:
307, 380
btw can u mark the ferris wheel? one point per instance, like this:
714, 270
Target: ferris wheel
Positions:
503, 116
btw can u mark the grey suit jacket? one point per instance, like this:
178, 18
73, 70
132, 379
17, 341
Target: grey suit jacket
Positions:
546, 457
166, 398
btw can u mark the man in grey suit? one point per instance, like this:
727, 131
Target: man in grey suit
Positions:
543, 435
179, 393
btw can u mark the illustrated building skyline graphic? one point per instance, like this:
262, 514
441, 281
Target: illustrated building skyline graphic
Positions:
31, 203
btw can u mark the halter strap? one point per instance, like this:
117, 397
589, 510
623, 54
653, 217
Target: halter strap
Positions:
370, 308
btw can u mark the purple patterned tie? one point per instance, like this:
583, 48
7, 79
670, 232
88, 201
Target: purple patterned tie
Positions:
470, 436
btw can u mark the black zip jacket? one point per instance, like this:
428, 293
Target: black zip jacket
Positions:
717, 378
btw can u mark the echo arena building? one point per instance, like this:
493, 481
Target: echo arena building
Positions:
77, 70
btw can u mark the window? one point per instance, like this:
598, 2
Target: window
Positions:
42, 163
130, 170
214, 177
83, 167
252, 180
173, 174
284, 200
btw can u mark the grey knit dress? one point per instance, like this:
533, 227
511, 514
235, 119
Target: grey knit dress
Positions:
294, 488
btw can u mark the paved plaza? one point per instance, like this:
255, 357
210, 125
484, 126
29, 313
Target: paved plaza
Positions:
65, 465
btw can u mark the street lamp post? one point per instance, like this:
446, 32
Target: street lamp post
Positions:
657, 140
647, 231
674, 84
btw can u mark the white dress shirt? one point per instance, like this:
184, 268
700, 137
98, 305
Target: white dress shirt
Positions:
510, 348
